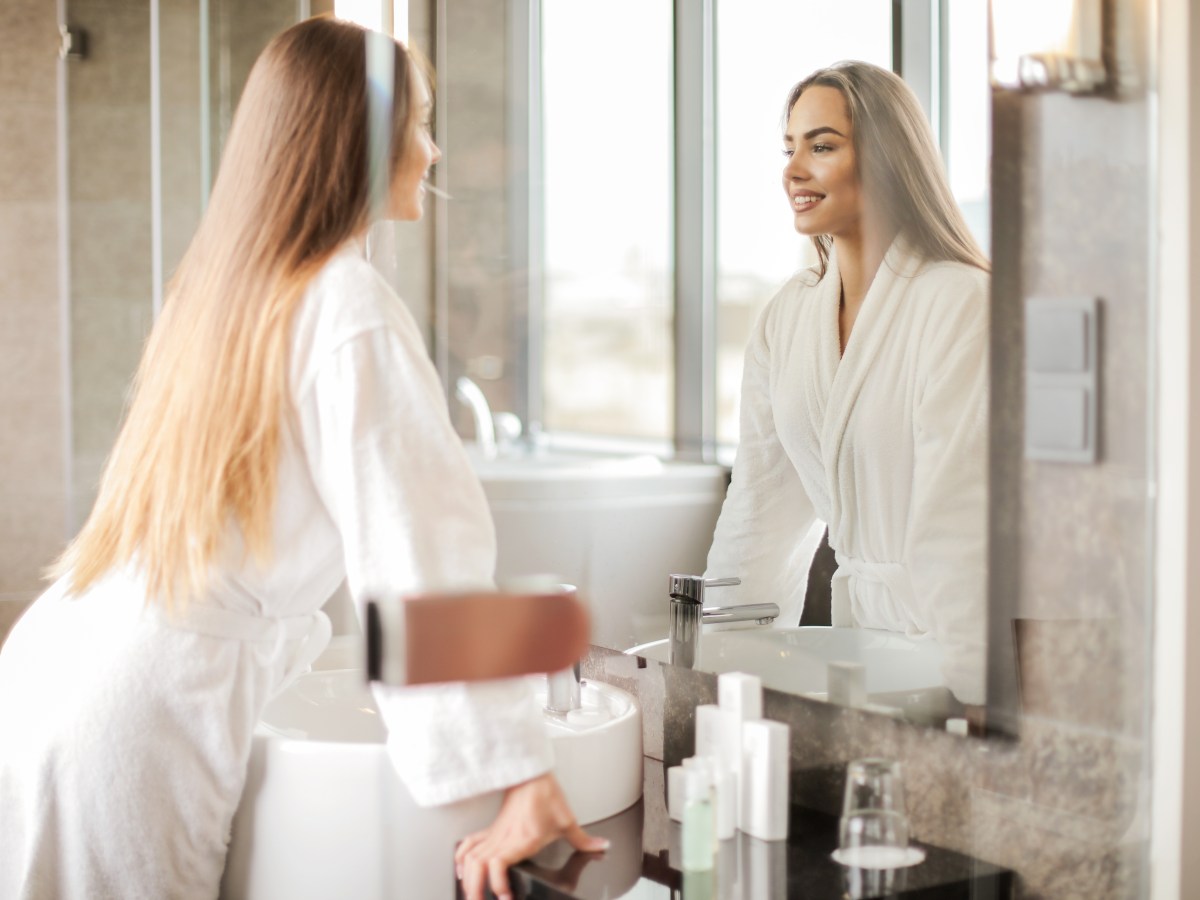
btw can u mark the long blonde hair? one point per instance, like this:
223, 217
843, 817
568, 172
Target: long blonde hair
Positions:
898, 162
200, 445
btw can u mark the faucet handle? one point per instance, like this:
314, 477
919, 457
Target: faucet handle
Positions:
690, 588
722, 582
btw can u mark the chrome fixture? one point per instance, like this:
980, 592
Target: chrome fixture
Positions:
470, 394
688, 613
563, 691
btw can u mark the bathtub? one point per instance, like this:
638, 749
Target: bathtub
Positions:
615, 526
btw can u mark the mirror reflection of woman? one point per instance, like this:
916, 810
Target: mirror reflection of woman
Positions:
864, 393
286, 431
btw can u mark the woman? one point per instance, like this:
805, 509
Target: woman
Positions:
865, 383
286, 431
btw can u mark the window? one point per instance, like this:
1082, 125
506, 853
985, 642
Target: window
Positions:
607, 305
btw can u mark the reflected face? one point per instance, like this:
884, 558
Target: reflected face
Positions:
821, 175
407, 200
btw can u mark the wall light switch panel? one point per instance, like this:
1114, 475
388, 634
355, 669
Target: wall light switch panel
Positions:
1062, 384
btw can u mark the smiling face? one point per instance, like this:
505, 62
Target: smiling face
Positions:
821, 175
407, 194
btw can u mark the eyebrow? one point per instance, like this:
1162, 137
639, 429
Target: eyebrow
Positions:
809, 135
824, 129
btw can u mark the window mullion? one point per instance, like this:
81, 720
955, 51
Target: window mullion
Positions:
695, 229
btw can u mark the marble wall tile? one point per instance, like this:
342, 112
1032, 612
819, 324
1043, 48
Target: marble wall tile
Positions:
25, 127
30, 39
28, 250
32, 441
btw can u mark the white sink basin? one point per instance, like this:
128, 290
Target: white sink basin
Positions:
324, 814
796, 660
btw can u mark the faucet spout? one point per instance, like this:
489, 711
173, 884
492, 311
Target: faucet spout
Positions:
470, 394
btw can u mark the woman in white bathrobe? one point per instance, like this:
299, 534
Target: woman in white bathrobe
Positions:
864, 393
286, 431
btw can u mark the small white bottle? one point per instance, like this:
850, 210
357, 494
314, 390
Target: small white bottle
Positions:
698, 827
765, 796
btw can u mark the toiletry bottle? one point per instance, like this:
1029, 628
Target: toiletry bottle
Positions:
764, 806
698, 839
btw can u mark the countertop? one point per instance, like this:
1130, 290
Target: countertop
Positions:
643, 864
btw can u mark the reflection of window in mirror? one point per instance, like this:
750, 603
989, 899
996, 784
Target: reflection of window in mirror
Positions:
759, 58
757, 250
606, 192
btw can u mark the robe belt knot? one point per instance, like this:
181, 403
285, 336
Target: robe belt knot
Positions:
872, 595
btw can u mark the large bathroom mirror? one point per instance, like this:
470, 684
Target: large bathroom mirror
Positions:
616, 224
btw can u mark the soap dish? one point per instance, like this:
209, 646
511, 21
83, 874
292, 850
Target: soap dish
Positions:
879, 857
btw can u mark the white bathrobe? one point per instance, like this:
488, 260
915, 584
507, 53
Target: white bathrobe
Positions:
124, 736
886, 444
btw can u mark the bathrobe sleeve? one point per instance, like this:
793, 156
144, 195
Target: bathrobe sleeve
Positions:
413, 517
764, 534
948, 528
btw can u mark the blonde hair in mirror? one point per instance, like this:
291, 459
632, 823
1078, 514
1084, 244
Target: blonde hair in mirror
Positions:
898, 162
200, 445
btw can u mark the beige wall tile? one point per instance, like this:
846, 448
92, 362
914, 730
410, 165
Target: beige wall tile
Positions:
28, 249
110, 154
27, 165
29, 37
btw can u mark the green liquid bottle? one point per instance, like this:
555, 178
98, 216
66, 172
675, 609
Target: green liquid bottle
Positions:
699, 826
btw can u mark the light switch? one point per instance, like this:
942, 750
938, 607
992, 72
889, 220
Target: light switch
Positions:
1057, 340
1061, 379
1056, 419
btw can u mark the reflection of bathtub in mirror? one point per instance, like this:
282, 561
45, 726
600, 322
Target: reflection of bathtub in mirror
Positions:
616, 526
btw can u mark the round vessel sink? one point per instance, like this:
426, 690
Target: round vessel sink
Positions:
324, 814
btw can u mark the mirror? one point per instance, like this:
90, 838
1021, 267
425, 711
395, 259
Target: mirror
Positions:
563, 253
549, 279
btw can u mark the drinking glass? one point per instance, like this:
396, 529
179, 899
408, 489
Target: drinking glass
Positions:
873, 830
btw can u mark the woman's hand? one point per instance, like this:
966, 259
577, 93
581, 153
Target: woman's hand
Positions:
532, 815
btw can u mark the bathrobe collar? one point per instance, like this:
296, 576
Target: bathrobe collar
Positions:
843, 374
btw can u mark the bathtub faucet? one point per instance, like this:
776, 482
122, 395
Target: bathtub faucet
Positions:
688, 613
470, 394
494, 431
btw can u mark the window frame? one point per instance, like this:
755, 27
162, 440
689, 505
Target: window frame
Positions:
918, 36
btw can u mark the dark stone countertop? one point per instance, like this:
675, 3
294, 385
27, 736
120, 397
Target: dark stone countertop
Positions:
643, 863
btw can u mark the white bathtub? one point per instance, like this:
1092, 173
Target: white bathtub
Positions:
615, 526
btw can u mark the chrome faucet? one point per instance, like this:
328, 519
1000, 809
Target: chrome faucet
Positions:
563, 690
470, 394
688, 613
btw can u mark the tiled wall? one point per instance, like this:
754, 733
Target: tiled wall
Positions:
33, 503
48, 429
108, 104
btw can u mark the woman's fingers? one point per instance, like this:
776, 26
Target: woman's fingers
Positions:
581, 840
473, 875
498, 878
465, 846
532, 815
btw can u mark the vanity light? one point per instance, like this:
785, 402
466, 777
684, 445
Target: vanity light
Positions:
1050, 45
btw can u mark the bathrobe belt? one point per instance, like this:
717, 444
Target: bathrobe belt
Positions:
270, 635
873, 595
